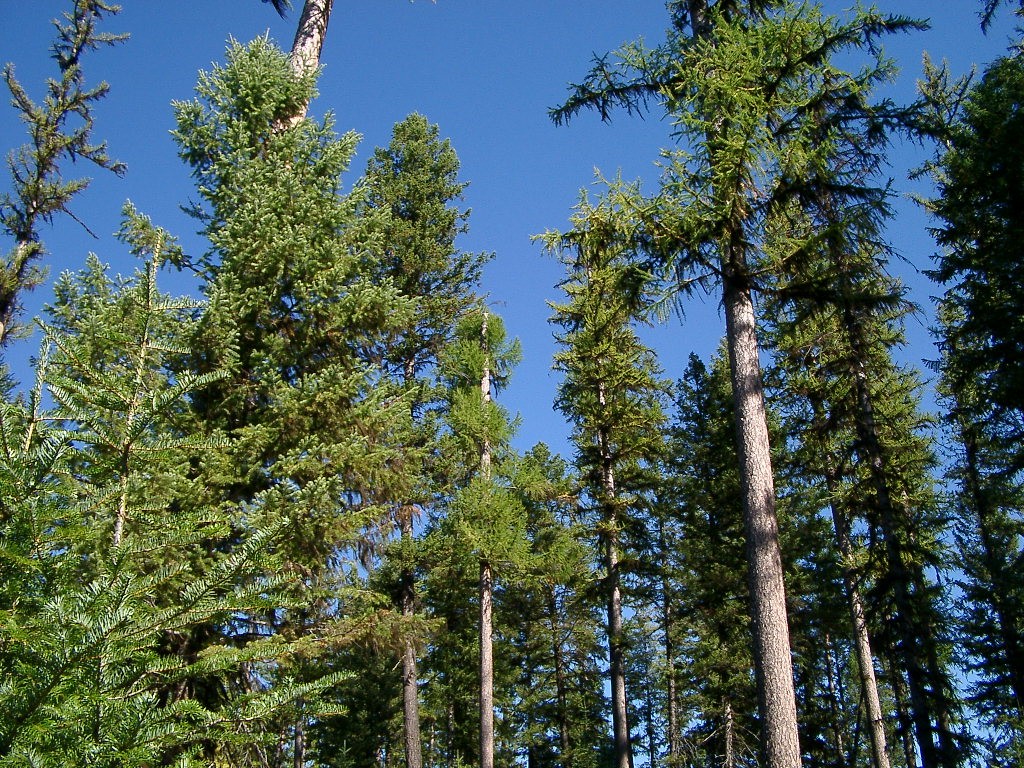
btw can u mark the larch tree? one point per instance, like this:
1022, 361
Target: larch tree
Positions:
483, 534
712, 628
737, 80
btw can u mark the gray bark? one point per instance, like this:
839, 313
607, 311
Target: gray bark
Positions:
309, 44
773, 665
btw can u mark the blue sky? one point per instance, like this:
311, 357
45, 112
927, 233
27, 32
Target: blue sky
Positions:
486, 72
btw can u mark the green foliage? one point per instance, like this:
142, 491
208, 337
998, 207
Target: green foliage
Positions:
61, 130
979, 203
981, 340
101, 528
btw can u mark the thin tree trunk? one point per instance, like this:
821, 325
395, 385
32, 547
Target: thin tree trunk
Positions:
672, 737
859, 625
560, 685
299, 745
835, 703
410, 673
899, 695
773, 665
909, 636
486, 668
616, 654
729, 728
652, 745
486, 595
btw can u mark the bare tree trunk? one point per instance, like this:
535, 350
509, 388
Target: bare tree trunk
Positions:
672, 737
616, 654
729, 726
486, 668
308, 45
909, 636
560, 685
410, 673
773, 665
859, 625
486, 595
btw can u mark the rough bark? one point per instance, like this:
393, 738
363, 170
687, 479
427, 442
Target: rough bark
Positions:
309, 44
773, 664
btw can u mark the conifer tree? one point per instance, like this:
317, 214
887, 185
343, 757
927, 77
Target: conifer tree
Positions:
290, 318
711, 593
61, 129
414, 182
558, 713
980, 340
858, 417
108, 532
737, 78
611, 395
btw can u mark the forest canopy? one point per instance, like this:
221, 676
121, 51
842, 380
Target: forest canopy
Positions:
265, 495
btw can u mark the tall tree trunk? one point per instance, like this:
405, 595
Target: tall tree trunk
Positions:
486, 595
729, 737
308, 45
899, 697
858, 622
910, 636
672, 714
560, 685
410, 673
486, 667
616, 653
780, 742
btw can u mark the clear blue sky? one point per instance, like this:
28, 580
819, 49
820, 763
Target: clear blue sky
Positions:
486, 72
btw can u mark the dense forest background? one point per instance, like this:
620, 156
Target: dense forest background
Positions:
266, 497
